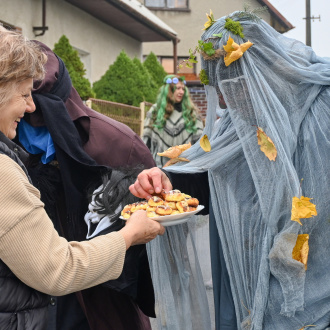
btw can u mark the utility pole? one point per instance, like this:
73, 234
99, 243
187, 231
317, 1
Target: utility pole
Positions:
308, 19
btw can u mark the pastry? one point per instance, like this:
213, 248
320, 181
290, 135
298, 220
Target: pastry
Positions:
182, 206
142, 205
126, 214
155, 201
163, 210
165, 203
172, 205
174, 196
194, 202
151, 214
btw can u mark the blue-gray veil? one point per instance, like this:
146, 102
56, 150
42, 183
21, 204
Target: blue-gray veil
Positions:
283, 87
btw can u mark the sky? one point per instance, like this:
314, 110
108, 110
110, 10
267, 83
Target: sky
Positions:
295, 10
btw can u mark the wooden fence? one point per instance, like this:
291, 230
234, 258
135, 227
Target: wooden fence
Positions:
127, 114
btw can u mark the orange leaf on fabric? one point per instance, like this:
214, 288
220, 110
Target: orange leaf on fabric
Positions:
175, 151
235, 51
267, 146
301, 249
184, 147
205, 143
306, 326
175, 160
172, 152
302, 208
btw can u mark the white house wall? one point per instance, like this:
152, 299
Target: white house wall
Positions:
97, 43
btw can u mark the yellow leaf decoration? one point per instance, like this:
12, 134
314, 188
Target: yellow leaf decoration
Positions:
205, 143
307, 326
301, 249
235, 51
210, 21
176, 160
302, 208
267, 146
175, 151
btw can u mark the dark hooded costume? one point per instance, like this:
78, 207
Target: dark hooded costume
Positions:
87, 144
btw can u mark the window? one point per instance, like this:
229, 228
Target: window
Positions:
168, 65
167, 4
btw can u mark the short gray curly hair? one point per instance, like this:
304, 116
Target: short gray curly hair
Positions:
20, 59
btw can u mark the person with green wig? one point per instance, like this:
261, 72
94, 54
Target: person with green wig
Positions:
172, 120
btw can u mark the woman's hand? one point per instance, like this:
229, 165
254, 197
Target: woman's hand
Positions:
139, 229
149, 182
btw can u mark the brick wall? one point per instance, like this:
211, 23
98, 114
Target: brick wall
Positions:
197, 94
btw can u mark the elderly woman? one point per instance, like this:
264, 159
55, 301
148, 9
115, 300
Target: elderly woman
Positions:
277, 94
35, 261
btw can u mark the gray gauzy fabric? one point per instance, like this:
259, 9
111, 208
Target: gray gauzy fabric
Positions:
180, 294
282, 86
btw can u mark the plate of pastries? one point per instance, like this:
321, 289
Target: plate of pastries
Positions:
169, 208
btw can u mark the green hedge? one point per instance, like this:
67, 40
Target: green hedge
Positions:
76, 69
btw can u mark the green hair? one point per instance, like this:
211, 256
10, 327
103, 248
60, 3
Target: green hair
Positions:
165, 106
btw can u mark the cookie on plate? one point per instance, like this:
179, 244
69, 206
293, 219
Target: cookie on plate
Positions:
155, 201
182, 206
163, 210
174, 196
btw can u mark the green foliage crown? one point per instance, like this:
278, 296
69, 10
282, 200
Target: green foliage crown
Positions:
234, 27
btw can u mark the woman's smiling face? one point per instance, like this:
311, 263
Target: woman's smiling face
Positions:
13, 111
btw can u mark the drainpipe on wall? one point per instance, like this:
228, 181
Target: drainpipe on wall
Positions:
42, 28
175, 56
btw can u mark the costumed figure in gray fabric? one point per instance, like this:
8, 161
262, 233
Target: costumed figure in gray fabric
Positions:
173, 120
268, 175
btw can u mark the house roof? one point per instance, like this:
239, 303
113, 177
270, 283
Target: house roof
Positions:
129, 17
279, 22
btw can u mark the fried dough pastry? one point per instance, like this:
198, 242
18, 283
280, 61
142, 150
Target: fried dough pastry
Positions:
155, 201
172, 205
163, 210
182, 206
151, 214
126, 214
151, 208
165, 203
139, 206
174, 196
194, 202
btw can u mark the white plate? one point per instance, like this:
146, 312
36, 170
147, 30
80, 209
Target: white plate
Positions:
175, 219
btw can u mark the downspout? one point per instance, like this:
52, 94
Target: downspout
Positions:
42, 28
175, 56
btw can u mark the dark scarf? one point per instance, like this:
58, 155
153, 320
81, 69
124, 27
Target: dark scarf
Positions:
77, 168
14, 151
178, 106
